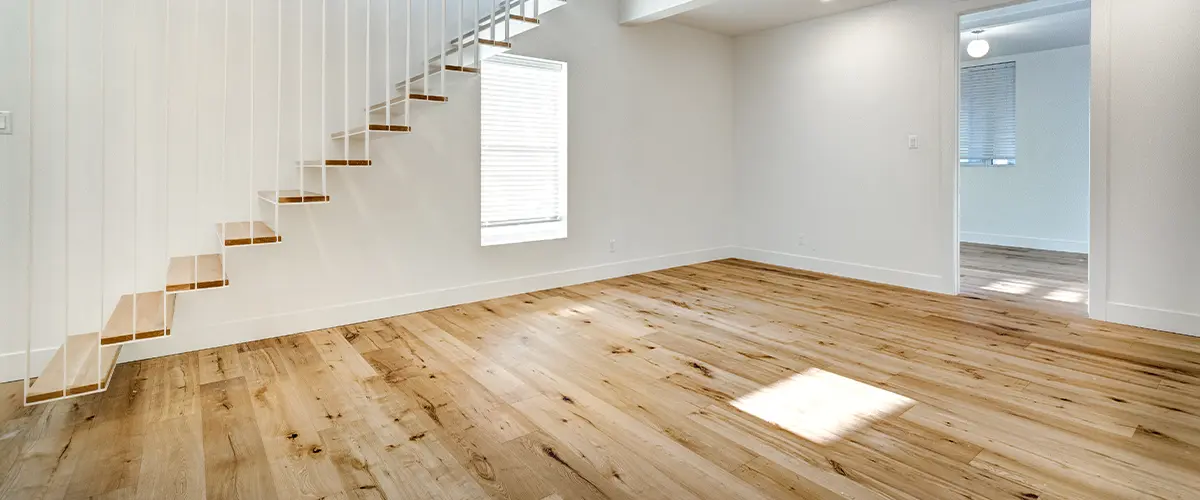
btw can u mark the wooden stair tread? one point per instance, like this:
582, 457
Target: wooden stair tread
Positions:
88, 368
428, 97
247, 233
336, 163
375, 128
293, 196
196, 272
154, 315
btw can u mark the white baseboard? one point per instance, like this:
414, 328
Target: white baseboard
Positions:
186, 338
1157, 319
907, 279
1025, 242
12, 364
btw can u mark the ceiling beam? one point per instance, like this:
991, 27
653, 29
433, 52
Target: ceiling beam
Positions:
635, 12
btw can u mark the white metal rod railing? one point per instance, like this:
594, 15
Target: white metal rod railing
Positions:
166, 171
32, 157
300, 102
279, 107
462, 10
425, 54
507, 19
366, 89
442, 42
103, 174
324, 77
66, 196
253, 143
492, 21
387, 68
407, 61
196, 110
224, 141
476, 30
346, 77
136, 163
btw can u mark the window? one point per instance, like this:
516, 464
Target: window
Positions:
523, 173
987, 120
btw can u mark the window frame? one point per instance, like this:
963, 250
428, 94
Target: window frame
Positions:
964, 138
507, 234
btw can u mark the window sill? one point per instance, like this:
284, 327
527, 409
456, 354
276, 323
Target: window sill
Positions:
527, 233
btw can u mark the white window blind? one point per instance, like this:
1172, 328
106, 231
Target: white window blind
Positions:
987, 120
523, 150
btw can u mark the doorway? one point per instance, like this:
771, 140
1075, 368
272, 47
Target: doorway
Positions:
1024, 155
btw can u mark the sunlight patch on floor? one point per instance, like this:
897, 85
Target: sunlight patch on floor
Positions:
1070, 296
820, 406
1011, 286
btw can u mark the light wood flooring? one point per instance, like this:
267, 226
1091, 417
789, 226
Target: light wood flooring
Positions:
1052, 282
630, 388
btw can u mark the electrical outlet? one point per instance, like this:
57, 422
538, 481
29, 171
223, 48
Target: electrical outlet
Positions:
612, 246
800, 240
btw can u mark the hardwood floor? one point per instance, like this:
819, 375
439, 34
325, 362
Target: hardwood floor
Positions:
1053, 282
643, 387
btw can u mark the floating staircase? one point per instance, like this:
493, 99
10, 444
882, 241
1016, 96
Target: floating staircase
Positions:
84, 363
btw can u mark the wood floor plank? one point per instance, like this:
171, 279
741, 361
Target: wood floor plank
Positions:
173, 463
625, 389
236, 463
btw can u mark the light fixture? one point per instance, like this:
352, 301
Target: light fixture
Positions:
979, 47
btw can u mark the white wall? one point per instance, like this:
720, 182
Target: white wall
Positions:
648, 168
1148, 118
823, 110
1042, 202
823, 113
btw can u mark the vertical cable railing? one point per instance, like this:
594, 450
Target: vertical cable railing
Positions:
424, 52
196, 110
366, 89
442, 50
166, 169
324, 77
136, 163
300, 102
462, 10
279, 107
407, 61
475, 29
345, 77
225, 142
253, 194
66, 197
103, 177
29, 208
387, 68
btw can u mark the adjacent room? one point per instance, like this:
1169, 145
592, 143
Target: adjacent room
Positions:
1024, 146
599, 249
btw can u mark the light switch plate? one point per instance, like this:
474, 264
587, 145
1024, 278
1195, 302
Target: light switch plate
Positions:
912, 142
6, 122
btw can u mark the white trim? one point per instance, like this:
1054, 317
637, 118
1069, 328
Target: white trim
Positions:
12, 364
908, 279
1156, 319
1098, 235
1101, 63
1056, 245
196, 337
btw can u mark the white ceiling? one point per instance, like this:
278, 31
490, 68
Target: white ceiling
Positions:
1031, 27
738, 17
